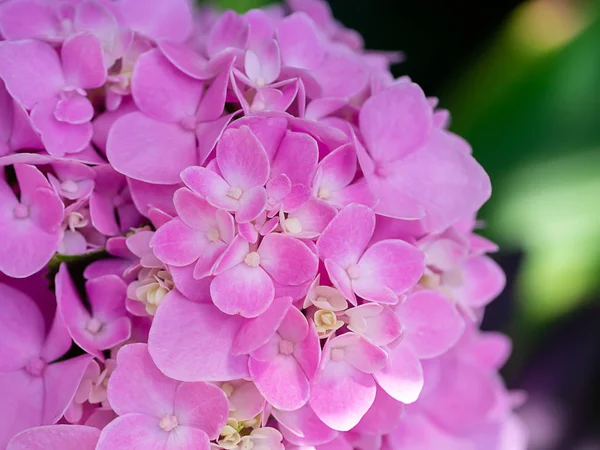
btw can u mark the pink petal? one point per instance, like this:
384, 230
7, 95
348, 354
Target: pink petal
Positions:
75, 110
213, 102
234, 255
360, 353
299, 42
287, 260
375, 322
202, 406
244, 290
61, 381
338, 168
262, 64
230, 30
252, 204
281, 381
31, 70
148, 150
402, 377
209, 185
392, 264
242, 159
161, 91
302, 426
342, 76
194, 290
58, 340
417, 432
83, 61
134, 432
192, 341
341, 395
167, 19
432, 325
340, 279
294, 326
102, 214
59, 137
383, 417
313, 216
137, 386
28, 19
256, 332
146, 196
347, 235
308, 351
296, 157
22, 328
56, 437
483, 281
177, 244
21, 405
396, 122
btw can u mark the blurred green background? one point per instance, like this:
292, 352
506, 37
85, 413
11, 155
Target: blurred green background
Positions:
522, 81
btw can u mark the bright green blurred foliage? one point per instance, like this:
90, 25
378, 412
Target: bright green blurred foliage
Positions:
531, 109
240, 5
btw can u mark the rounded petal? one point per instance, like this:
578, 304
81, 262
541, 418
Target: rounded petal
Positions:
244, 290
167, 19
402, 377
137, 386
432, 324
83, 61
203, 406
133, 432
56, 437
288, 260
296, 157
177, 244
192, 341
148, 150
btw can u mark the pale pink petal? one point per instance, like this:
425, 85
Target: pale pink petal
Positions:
402, 377
256, 332
203, 406
242, 159
392, 264
341, 395
231, 30
296, 157
246, 399
192, 341
244, 290
340, 279
252, 204
302, 426
417, 432
177, 244
137, 386
308, 351
263, 63
161, 91
27, 19
377, 323
432, 324
346, 237
299, 41
148, 150
287, 259
483, 281
338, 168
395, 122
383, 417
75, 110
56, 437
133, 432
342, 76
313, 216
358, 352
281, 381
209, 185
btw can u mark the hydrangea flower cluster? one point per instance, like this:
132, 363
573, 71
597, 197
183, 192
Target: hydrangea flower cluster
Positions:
225, 231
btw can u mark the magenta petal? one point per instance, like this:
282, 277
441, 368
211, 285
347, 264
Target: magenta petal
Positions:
102, 214
28, 19
396, 121
137, 386
341, 395
177, 244
21, 405
61, 381
346, 237
56, 437
209, 185
392, 264
161, 91
133, 432
59, 137
402, 377
300, 42
340, 279
231, 30
203, 406
83, 61
58, 340
308, 351
167, 19
281, 381
288, 260
194, 211
192, 341
244, 290
21, 327
256, 332
432, 325
31, 70
74, 110
148, 150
